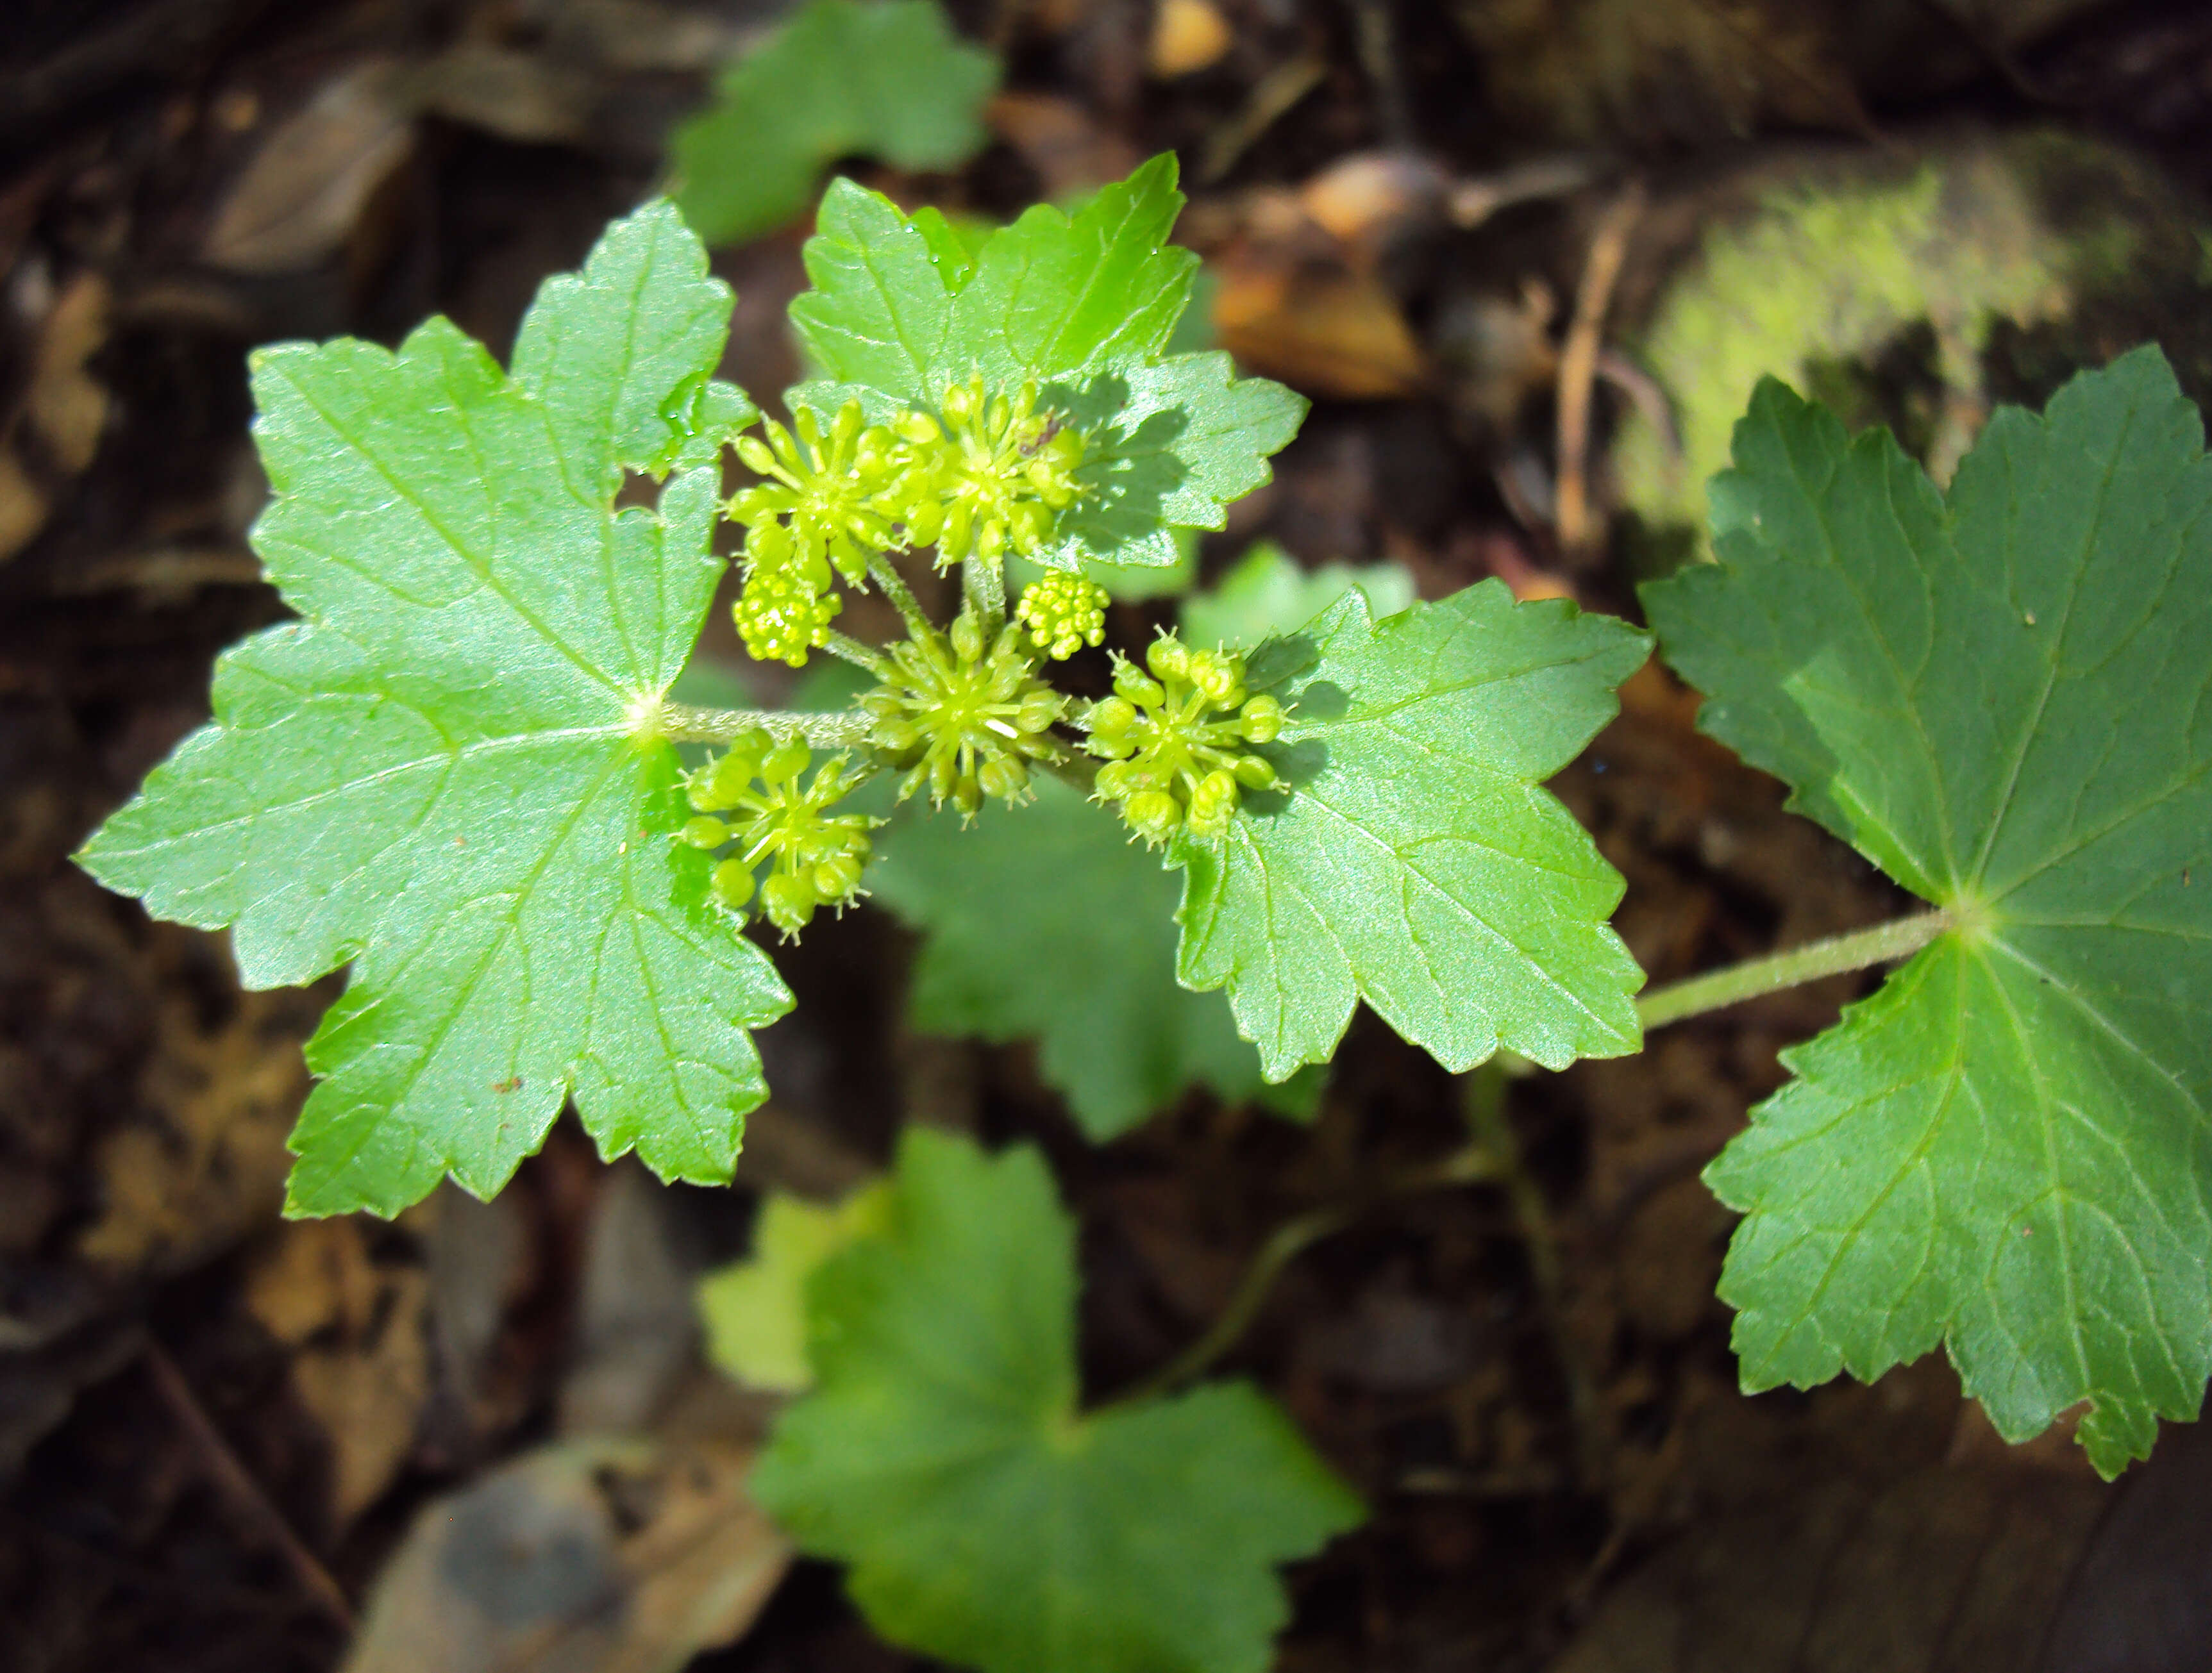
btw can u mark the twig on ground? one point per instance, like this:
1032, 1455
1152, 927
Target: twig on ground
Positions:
1471, 1164
237, 1484
1269, 101
1375, 31
1609, 248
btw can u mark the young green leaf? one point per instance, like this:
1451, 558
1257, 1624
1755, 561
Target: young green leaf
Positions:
1416, 862
2000, 697
445, 773
987, 1520
1047, 921
1085, 307
842, 78
755, 1310
1266, 592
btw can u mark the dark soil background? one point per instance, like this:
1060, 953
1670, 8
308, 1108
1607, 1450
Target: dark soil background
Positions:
215, 1427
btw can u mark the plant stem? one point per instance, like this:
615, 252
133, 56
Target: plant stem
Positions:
864, 657
984, 581
901, 595
1467, 1166
1493, 1131
682, 723
1881, 944
1078, 772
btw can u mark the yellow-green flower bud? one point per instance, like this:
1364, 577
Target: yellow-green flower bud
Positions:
964, 717
1184, 736
1255, 773
815, 858
1063, 612
733, 884
1260, 720
1131, 686
1153, 814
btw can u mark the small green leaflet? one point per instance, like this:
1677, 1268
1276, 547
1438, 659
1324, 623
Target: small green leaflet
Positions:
755, 1310
1086, 306
986, 1520
842, 78
433, 774
2002, 698
1048, 921
1417, 863
1266, 592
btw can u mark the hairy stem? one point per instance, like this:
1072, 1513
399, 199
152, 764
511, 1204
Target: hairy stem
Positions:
1881, 944
1469, 1165
680, 723
845, 647
984, 581
917, 620
1078, 772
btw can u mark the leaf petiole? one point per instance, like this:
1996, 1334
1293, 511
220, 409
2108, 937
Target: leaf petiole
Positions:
864, 657
884, 575
681, 723
1882, 944
1476, 1163
984, 581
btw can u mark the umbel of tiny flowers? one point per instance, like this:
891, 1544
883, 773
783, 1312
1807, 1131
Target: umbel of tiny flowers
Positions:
1002, 471
964, 713
1063, 612
823, 500
1175, 740
782, 614
753, 794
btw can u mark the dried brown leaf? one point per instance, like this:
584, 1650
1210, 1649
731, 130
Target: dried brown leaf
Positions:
598, 1556
361, 1358
1187, 36
66, 405
298, 199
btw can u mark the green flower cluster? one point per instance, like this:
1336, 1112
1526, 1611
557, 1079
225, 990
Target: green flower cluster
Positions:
964, 716
823, 502
1175, 741
752, 795
1002, 472
987, 477
1064, 612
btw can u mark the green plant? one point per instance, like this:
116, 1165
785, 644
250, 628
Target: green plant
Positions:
458, 772
2000, 696
839, 78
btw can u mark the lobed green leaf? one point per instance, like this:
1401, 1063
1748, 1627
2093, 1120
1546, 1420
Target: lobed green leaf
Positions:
1046, 922
1416, 863
985, 1519
840, 78
2002, 697
1084, 305
434, 774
